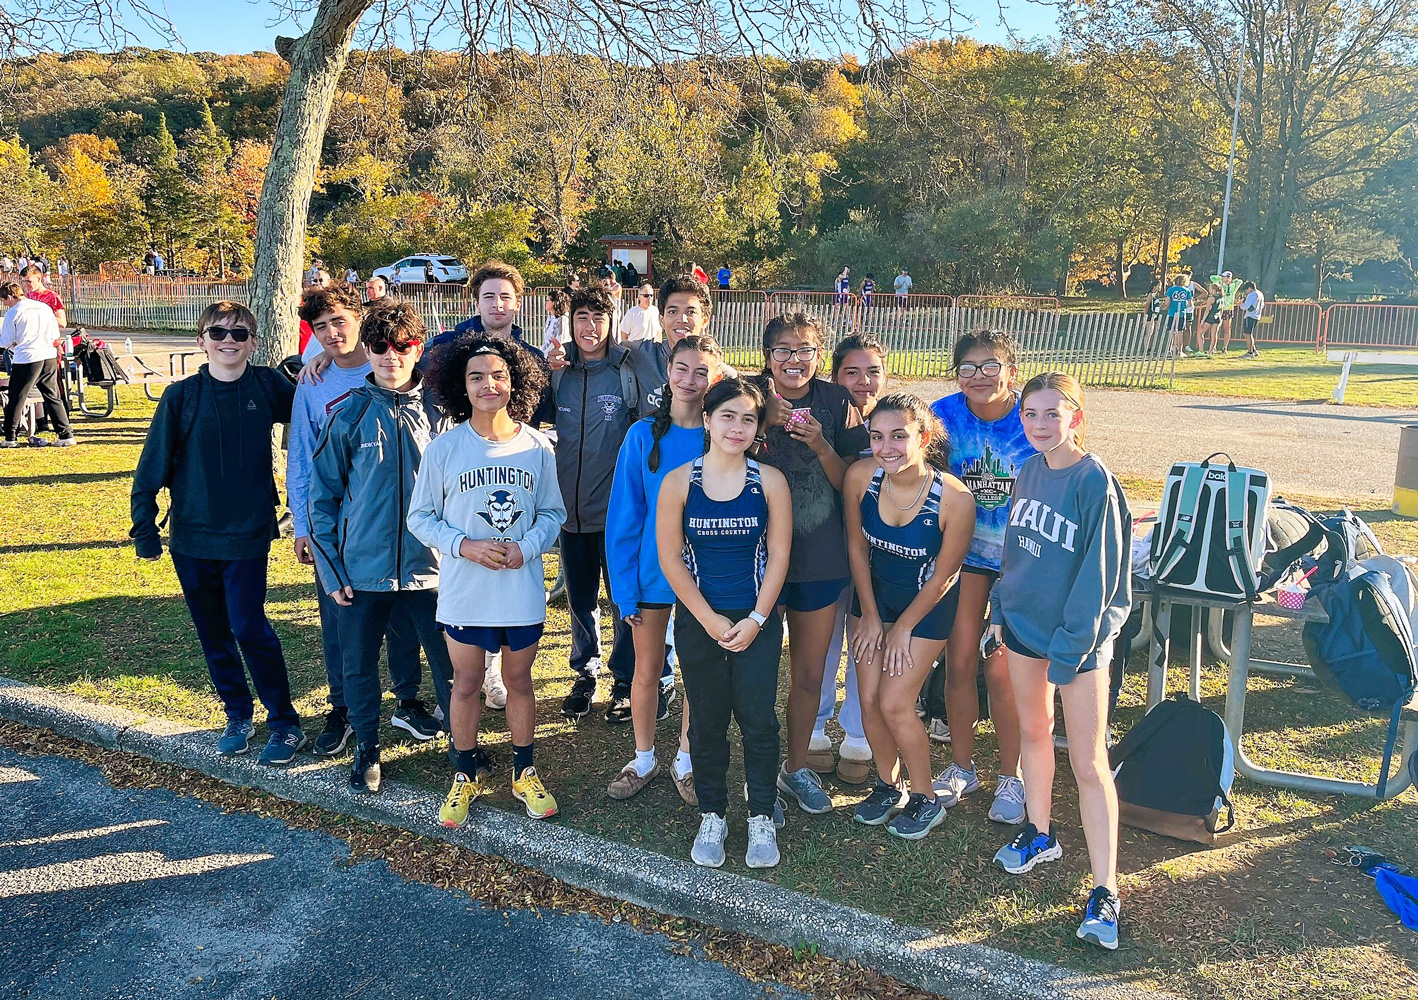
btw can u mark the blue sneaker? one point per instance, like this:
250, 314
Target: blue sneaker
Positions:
804, 787
282, 747
1028, 848
884, 800
920, 817
235, 738
1100, 919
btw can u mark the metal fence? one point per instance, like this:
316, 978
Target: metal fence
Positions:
1294, 324
1097, 348
1364, 325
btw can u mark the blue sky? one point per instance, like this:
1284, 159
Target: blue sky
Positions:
238, 26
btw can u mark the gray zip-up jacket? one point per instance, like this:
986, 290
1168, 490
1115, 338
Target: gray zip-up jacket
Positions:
362, 477
592, 417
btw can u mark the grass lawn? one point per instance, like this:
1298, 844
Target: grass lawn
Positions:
1296, 374
1263, 915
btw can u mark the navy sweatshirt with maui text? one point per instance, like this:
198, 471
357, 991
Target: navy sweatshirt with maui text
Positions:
1065, 585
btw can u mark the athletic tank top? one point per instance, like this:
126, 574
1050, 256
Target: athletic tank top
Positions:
902, 558
726, 541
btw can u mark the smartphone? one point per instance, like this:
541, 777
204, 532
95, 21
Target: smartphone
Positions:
989, 644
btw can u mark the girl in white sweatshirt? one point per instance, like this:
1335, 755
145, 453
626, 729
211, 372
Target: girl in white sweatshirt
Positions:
487, 500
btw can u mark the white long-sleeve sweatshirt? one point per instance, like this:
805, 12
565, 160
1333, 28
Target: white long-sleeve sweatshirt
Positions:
470, 487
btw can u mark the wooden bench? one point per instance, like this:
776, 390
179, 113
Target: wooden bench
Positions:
1399, 359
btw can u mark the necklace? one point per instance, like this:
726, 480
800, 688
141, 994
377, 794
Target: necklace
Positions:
919, 493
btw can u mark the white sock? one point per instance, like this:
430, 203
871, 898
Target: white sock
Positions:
644, 761
681, 764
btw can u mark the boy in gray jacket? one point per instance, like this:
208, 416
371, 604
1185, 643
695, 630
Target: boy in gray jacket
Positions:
597, 398
366, 559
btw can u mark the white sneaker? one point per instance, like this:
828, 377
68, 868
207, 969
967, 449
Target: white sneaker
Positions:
762, 843
493, 689
954, 783
1008, 806
708, 847
938, 730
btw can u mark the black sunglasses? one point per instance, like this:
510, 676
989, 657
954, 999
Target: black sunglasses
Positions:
237, 333
385, 346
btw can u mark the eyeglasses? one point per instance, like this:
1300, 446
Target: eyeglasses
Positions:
989, 369
381, 347
237, 333
788, 354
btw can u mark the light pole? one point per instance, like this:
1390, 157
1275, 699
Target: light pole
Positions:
1231, 165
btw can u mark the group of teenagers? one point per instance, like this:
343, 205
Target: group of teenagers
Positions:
721, 510
1203, 315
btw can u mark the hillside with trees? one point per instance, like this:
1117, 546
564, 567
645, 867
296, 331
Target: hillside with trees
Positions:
981, 168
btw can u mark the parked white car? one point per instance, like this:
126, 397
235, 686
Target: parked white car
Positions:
431, 267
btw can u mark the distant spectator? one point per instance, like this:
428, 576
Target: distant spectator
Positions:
34, 289
724, 276
150, 261
843, 286
698, 273
29, 331
376, 288
555, 332
1252, 306
642, 320
902, 286
7, 264
868, 290
632, 277
62, 264
159, 265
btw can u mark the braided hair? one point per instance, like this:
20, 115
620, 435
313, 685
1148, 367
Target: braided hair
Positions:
660, 422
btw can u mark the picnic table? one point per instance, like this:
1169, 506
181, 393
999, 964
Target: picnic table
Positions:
1207, 615
139, 373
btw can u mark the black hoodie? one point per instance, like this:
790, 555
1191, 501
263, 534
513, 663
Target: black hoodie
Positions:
210, 446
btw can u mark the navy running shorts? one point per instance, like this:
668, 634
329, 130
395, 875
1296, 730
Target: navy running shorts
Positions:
493, 637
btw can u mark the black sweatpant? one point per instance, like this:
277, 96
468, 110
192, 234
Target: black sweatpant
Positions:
363, 624
26, 375
744, 685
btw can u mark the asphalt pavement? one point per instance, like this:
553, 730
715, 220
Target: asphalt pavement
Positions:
118, 894
1315, 448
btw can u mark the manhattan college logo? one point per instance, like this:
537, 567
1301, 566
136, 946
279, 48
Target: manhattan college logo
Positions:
988, 479
502, 512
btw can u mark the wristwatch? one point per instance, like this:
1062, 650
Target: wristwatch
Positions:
757, 619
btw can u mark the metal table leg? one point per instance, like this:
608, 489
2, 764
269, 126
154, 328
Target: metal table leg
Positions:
1197, 655
1235, 724
1159, 651
1216, 639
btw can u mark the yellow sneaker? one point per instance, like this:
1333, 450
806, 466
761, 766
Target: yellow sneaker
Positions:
534, 795
455, 807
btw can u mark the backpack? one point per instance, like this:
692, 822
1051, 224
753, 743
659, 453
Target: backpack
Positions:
1210, 533
1174, 770
1365, 650
97, 361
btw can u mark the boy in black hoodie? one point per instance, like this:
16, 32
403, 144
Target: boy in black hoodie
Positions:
210, 446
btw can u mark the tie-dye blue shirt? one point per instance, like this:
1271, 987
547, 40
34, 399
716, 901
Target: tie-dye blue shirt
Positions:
985, 455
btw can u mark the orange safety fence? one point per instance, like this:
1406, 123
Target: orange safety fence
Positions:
1033, 303
1370, 325
1284, 322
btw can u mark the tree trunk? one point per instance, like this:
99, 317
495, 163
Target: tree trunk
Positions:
1120, 269
316, 60
1319, 271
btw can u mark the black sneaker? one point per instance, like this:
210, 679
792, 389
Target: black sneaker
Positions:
415, 719
365, 775
577, 704
335, 735
619, 710
662, 712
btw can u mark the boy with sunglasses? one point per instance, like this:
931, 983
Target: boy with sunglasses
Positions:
210, 446
366, 559
334, 315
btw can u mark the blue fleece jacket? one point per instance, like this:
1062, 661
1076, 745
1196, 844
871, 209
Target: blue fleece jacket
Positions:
631, 553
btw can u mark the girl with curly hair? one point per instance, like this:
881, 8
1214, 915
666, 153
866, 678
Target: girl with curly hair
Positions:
487, 499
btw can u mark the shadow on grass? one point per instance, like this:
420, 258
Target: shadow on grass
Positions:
114, 543
59, 478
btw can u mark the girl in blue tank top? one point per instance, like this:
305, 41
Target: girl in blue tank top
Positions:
908, 528
724, 527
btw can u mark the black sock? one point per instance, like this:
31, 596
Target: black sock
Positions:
467, 763
409, 702
521, 759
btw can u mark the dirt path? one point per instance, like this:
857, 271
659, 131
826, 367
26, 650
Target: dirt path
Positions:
1318, 449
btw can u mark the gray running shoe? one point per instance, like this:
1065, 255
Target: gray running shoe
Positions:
708, 847
762, 843
804, 787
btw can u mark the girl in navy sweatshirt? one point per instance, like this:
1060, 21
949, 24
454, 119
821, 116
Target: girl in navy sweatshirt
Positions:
1063, 594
